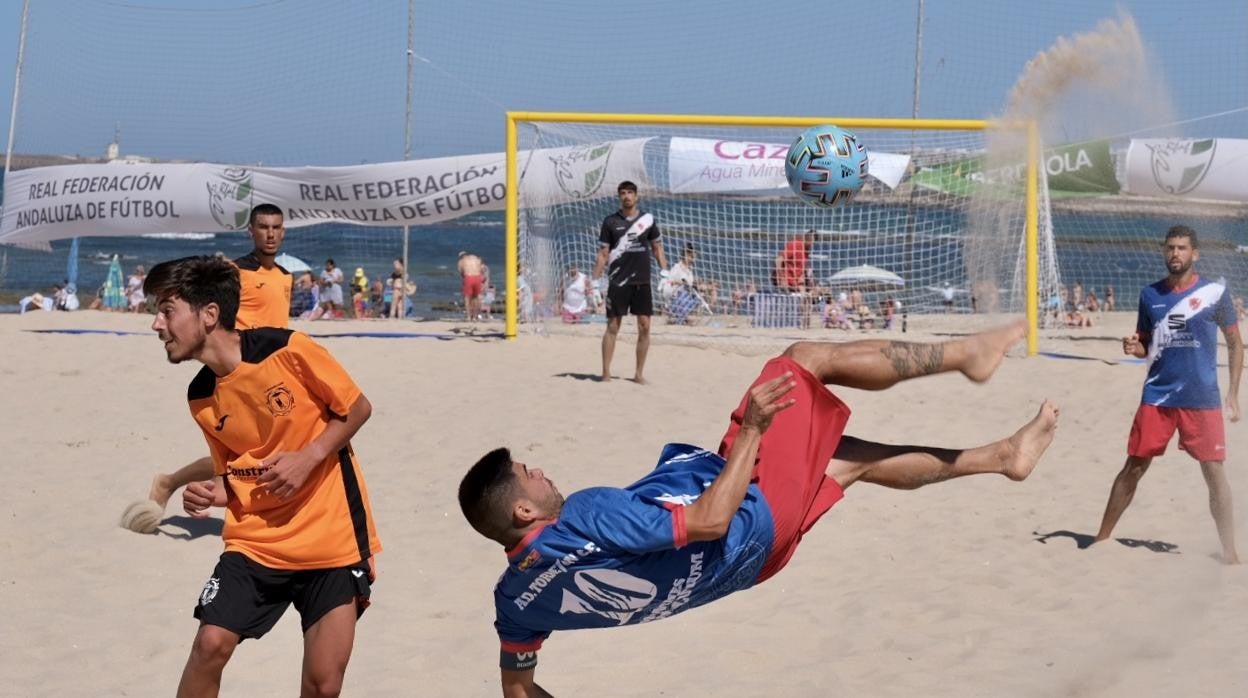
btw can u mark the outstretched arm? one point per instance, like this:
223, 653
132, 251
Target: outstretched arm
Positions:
520, 684
709, 517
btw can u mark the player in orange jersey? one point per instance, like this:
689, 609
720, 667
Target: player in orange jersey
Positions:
278, 413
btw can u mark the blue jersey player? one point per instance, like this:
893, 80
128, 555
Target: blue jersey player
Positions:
705, 524
1177, 330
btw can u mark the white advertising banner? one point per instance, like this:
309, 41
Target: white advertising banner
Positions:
1192, 168
121, 199
708, 165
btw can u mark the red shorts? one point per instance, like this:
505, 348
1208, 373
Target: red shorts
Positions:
473, 285
793, 458
1201, 433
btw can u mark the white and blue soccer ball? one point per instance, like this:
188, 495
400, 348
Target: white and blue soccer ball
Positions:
826, 166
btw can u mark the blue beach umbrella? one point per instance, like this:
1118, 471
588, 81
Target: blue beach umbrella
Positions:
114, 286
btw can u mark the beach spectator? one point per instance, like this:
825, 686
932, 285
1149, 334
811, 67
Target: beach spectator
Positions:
626, 242
66, 296
331, 292
134, 290
1078, 317
377, 299
1177, 330
398, 289
472, 283
887, 311
681, 274
1091, 302
836, 314
1109, 299
487, 301
35, 301
359, 292
576, 293
525, 295
947, 292
305, 296
1076, 294
793, 263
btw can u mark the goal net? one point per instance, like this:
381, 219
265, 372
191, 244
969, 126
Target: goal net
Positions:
921, 238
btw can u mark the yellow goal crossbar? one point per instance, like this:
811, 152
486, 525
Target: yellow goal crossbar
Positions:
513, 178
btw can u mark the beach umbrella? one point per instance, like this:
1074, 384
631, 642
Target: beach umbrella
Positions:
867, 278
115, 286
292, 263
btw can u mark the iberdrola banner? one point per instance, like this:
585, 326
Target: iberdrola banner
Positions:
1082, 169
708, 165
121, 199
1191, 168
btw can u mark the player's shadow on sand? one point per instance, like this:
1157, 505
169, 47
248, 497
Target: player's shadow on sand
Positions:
192, 527
595, 377
1085, 540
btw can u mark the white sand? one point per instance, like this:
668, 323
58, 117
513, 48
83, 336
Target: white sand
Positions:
941, 592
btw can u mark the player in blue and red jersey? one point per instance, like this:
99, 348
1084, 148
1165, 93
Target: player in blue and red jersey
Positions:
1177, 329
705, 524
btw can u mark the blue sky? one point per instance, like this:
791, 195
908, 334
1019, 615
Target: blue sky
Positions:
289, 82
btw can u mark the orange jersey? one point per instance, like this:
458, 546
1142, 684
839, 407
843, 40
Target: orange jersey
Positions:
264, 300
279, 399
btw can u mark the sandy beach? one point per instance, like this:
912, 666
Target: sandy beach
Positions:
975, 587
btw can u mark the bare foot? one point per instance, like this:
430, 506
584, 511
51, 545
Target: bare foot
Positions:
986, 350
1230, 559
1029, 443
639, 380
606, 378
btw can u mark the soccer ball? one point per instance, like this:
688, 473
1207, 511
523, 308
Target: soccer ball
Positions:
826, 166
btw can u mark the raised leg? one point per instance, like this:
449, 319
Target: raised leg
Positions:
911, 467
1121, 493
880, 364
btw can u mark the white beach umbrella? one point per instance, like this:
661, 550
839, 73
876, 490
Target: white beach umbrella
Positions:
292, 263
867, 277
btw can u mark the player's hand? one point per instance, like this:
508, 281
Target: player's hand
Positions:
766, 399
197, 497
1131, 345
286, 472
1232, 407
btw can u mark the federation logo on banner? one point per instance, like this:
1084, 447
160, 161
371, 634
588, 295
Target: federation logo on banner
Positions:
229, 197
580, 171
1179, 166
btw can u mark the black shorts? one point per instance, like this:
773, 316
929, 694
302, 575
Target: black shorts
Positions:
623, 300
247, 598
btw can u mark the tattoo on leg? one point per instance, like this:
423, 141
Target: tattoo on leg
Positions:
910, 360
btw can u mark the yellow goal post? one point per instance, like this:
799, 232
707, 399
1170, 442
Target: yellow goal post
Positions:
597, 126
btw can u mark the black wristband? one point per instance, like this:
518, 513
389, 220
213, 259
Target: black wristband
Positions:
517, 661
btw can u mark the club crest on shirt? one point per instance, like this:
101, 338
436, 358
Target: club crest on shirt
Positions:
1193, 302
529, 560
279, 400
